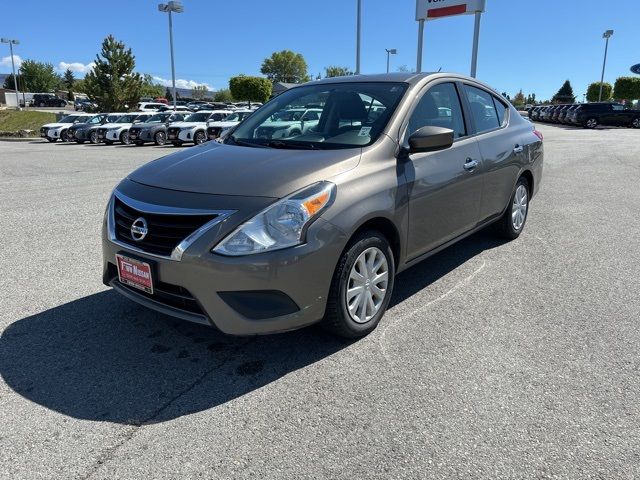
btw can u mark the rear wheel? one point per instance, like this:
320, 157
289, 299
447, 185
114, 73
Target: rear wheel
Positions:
361, 286
160, 138
635, 123
64, 135
512, 223
124, 138
93, 137
591, 123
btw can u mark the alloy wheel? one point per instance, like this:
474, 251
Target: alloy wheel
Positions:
94, 137
161, 138
519, 207
592, 123
636, 123
367, 285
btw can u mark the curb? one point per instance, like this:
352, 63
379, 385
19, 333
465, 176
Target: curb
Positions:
19, 139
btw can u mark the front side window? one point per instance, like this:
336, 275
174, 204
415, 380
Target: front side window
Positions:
439, 107
126, 119
483, 109
198, 117
338, 115
618, 107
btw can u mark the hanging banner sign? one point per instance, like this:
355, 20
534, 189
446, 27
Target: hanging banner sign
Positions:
434, 9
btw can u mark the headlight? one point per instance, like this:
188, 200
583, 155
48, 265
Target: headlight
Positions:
281, 225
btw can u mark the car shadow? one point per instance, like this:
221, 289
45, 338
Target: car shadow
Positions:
105, 358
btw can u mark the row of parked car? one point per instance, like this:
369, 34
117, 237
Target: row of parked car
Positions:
139, 128
587, 115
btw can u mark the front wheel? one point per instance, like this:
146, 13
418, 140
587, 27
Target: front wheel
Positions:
124, 138
511, 224
64, 136
160, 138
199, 138
361, 286
93, 138
635, 123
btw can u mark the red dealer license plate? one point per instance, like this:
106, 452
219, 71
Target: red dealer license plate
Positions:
134, 273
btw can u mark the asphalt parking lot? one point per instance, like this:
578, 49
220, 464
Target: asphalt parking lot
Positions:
496, 360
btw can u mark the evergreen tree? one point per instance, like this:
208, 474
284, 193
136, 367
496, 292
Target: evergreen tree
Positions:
565, 94
112, 83
68, 80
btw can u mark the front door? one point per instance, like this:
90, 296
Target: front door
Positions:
445, 187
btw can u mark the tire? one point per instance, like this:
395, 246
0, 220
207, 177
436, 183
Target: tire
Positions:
635, 123
160, 138
199, 138
338, 319
93, 137
507, 227
64, 136
591, 123
124, 138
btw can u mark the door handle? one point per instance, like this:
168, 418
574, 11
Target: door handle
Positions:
470, 164
518, 149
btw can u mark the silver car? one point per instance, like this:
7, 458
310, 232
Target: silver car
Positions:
258, 235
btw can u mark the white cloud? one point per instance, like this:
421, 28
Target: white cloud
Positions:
6, 61
180, 83
76, 67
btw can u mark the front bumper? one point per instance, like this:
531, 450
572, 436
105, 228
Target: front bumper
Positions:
237, 294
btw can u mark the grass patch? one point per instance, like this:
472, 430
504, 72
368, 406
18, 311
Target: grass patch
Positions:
14, 120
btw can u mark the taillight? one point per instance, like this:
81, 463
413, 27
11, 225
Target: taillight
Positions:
538, 134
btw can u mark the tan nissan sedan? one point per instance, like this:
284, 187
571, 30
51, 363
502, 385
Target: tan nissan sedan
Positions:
294, 220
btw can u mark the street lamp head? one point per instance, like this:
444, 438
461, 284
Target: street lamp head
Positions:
391, 51
163, 7
607, 34
8, 40
176, 6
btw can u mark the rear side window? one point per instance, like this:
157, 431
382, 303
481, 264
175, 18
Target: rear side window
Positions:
439, 107
483, 109
501, 110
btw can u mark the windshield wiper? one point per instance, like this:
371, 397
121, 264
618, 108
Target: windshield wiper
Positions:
291, 145
244, 143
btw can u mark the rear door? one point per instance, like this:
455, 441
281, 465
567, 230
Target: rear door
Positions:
445, 187
501, 149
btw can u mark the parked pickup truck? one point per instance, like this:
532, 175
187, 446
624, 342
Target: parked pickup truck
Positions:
590, 115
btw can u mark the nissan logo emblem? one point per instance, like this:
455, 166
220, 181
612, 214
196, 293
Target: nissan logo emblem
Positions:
139, 229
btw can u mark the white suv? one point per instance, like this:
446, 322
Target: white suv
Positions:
149, 106
118, 131
58, 130
194, 127
217, 128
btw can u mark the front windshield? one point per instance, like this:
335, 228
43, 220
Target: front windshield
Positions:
324, 116
237, 116
198, 117
158, 118
126, 119
113, 118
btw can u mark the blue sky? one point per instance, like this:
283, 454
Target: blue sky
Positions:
530, 44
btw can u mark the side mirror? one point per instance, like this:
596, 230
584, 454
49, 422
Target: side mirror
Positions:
430, 139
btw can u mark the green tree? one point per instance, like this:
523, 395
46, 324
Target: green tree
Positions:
593, 92
505, 95
39, 76
252, 89
519, 98
627, 88
199, 92
334, 71
565, 94
112, 83
223, 95
9, 84
285, 66
79, 85
150, 88
531, 99
68, 81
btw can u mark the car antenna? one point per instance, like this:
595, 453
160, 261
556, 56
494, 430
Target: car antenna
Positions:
440, 69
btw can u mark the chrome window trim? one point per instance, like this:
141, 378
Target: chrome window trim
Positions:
178, 251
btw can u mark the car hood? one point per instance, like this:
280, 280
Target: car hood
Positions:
221, 169
186, 124
56, 125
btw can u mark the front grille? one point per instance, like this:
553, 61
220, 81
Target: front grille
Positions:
214, 132
44, 130
165, 232
173, 131
135, 130
264, 132
102, 131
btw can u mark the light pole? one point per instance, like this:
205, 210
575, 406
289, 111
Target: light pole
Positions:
172, 7
607, 35
13, 67
358, 35
390, 51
